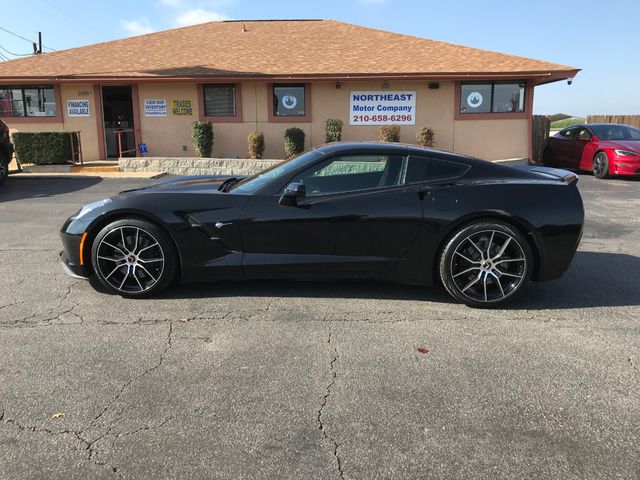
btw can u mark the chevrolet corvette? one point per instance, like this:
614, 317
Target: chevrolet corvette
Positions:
360, 210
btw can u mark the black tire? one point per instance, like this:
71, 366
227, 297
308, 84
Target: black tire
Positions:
600, 166
486, 263
4, 167
547, 157
133, 258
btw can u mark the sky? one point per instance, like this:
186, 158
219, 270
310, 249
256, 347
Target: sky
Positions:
601, 38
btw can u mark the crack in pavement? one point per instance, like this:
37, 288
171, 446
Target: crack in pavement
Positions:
105, 463
76, 434
126, 385
48, 315
325, 400
90, 445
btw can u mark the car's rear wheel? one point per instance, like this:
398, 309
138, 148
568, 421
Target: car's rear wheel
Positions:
4, 167
547, 157
133, 258
486, 263
601, 165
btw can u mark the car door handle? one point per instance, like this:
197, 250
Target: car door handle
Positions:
222, 224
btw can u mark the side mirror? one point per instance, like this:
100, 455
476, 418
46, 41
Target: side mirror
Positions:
292, 193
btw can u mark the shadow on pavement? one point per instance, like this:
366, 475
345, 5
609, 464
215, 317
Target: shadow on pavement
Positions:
594, 279
16, 188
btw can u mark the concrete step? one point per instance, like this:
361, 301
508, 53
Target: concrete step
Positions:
88, 167
97, 168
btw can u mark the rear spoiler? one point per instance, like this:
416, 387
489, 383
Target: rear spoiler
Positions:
552, 173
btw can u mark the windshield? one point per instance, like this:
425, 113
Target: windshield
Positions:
615, 132
255, 182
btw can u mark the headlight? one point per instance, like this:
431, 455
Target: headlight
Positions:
91, 206
626, 153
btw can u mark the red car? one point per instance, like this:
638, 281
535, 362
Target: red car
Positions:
604, 148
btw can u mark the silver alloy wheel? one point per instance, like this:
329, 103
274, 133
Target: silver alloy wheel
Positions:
599, 165
488, 266
130, 259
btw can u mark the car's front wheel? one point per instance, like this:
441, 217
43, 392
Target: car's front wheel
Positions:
485, 263
133, 258
601, 165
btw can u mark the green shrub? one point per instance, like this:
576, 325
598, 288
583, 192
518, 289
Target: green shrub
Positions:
389, 133
202, 136
425, 137
256, 144
293, 141
333, 130
44, 148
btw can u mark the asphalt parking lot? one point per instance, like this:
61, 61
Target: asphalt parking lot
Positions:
316, 380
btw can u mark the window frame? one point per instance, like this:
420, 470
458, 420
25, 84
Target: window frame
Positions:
203, 117
36, 119
463, 172
573, 130
526, 113
306, 118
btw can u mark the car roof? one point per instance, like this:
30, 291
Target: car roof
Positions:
388, 147
481, 167
601, 125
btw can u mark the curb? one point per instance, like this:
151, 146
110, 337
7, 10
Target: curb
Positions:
139, 175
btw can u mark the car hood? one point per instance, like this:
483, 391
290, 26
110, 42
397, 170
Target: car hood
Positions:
185, 184
633, 145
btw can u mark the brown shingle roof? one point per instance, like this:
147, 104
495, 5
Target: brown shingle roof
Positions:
272, 49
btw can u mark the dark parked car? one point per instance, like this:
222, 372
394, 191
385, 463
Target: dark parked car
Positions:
603, 148
345, 210
6, 151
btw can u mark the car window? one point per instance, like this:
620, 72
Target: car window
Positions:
616, 132
347, 173
255, 182
423, 169
583, 132
568, 132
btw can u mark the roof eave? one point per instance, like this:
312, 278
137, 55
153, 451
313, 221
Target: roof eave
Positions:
539, 77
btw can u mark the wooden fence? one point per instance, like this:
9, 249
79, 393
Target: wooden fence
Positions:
540, 137
633, 120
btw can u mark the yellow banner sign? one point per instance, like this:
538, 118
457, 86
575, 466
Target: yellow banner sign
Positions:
182, 107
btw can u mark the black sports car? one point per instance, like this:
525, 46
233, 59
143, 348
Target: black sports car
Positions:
345, 210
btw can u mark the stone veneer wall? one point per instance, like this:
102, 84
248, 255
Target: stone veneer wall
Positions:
195, 166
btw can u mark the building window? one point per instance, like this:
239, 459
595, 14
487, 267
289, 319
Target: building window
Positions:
492, 97
28, 101
289, 100
220, 100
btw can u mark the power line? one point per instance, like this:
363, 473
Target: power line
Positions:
23, 38
16, 35
16, 54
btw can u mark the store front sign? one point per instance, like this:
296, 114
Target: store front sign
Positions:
155, 107
78, 108
382, 108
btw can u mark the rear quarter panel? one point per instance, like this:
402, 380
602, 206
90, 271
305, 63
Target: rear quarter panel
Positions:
549, 214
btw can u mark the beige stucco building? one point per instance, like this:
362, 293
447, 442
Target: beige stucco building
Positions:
268, 76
